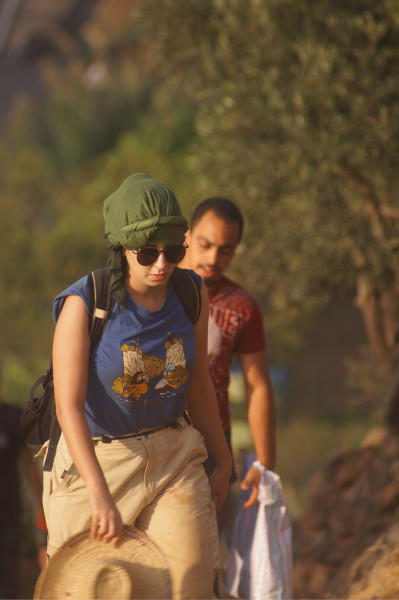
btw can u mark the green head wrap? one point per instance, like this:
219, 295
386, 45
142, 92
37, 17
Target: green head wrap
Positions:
140, 210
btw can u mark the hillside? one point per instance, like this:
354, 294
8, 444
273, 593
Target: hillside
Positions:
347, 543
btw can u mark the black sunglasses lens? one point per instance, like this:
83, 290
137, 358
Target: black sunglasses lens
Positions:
175, 254
147, 256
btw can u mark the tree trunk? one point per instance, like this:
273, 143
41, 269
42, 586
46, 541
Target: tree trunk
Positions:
380, 310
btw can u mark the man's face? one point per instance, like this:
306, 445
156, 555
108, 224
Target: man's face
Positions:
212, 245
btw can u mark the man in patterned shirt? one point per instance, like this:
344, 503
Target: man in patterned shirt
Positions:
235, 327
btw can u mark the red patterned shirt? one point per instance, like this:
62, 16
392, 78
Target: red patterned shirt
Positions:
235, 326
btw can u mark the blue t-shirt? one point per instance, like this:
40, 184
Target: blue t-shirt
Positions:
140, 370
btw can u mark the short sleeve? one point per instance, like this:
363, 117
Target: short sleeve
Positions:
252, 338
79, 288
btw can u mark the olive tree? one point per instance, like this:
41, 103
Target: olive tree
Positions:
298, 121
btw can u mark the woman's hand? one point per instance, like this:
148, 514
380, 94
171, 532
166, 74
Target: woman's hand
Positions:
219, 482
106, 524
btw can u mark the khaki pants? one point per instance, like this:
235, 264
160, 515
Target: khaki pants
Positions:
159, 484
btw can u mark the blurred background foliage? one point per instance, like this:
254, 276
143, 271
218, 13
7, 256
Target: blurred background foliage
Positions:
289, 108
298, 121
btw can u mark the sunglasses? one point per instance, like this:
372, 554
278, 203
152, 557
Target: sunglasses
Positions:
148, 256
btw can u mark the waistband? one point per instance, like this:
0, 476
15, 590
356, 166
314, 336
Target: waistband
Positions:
107, 439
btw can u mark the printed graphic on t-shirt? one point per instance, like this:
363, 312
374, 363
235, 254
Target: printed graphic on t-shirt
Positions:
223, 325
144, 373
214, 338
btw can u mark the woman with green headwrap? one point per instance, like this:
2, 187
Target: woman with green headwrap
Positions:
132, 391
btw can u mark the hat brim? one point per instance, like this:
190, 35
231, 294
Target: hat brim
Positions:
86, 568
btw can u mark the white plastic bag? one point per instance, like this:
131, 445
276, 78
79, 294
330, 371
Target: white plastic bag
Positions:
260, 561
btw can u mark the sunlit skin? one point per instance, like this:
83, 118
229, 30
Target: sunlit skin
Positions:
148, 285
212, 245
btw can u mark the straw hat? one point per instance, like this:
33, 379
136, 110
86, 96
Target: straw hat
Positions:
87, 569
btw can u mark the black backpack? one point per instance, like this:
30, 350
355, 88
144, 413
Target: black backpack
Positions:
39, 420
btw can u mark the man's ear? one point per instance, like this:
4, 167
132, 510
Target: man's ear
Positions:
188, 236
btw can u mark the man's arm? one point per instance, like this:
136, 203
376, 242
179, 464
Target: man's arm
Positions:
261, 417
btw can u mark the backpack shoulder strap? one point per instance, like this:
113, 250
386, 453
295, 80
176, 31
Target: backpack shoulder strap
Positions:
188, 288
101, 304
52, 447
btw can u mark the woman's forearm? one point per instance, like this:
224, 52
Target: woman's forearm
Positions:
80, 445
106, 524
204, 413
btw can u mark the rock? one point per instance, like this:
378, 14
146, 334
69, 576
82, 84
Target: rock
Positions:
388, 497
375, 437
375, 574
346, 541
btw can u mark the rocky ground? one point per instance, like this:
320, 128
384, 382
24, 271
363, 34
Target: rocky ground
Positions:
347, 543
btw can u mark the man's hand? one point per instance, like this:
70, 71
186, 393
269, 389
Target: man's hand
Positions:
252, 478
